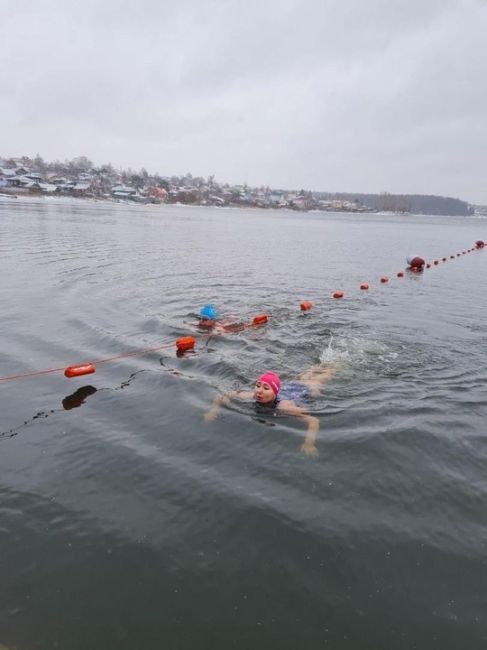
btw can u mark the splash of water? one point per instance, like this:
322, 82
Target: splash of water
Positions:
357, 351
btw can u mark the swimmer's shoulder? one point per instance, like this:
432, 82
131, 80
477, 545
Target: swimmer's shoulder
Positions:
224, 327
285, 403
290, 407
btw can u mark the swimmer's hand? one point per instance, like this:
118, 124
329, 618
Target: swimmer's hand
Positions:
211, 415
309, 448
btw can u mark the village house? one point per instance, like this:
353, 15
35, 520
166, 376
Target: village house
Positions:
123, 192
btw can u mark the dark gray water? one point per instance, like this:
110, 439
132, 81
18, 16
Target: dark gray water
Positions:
127, 522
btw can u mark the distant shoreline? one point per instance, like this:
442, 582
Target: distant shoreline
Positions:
15, 194
37, 198
80, 178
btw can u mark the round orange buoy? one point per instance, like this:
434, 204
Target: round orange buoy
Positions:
400, 274
428, 266
435, 262
306, 305
444, 259
479, 244
78, 371
185, 343
260, 319
338, 294
364, 286
452, 257
384, 279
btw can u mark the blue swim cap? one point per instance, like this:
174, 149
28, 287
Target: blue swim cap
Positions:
209, 312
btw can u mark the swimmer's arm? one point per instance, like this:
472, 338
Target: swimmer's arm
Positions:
219, 400
309, 444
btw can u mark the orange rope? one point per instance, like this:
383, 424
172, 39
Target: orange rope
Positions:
131, 354
35, 373
31, 374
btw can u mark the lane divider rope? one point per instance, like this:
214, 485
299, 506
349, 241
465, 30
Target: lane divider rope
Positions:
187, 343
182, 344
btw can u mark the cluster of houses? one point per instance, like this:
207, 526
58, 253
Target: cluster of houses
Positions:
32, 176
480, 210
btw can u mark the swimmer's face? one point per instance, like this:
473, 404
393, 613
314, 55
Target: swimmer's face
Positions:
206, 322
263, 393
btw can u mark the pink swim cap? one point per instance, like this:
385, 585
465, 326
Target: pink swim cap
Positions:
272, 379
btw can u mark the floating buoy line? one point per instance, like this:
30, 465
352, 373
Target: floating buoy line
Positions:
185, 344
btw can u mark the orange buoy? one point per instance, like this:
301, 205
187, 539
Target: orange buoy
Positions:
444, 259
306, 305
338, 294
435, 262
384, 279
479, 244
400, 274
260, 319
428, 266
78, 371
452, 257
364, 286
185, 343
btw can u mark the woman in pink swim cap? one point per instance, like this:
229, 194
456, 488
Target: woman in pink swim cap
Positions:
269, 392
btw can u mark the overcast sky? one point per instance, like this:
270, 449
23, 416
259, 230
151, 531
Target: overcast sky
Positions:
333, 95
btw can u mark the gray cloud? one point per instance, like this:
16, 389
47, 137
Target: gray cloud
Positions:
383, 95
